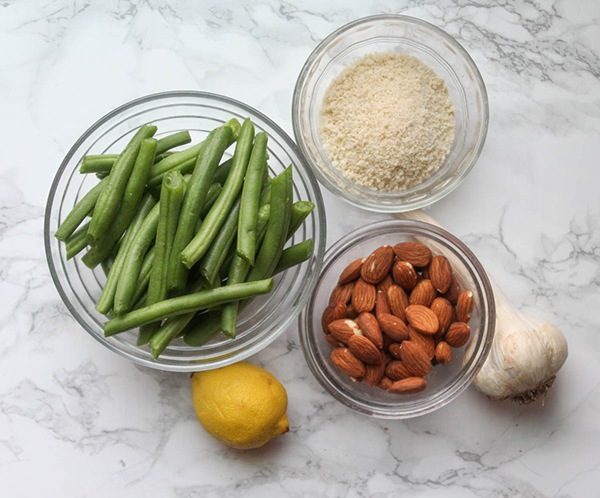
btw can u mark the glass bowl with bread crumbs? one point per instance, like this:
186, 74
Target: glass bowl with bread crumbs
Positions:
391, 112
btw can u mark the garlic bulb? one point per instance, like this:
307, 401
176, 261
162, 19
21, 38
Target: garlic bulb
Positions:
526, 352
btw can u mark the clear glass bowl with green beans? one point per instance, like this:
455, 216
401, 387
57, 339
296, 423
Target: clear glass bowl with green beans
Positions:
80, 270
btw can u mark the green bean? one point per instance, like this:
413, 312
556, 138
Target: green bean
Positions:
105, 303
160, 157
223, 171
171, 198
186, 304
77, 241
202, 328
107, 264
142, 282
200, 243
175, 140
300, 211
111, 196
100, 163
294, 255
193, 202
131, 198
211, 197
246, 236
79, 213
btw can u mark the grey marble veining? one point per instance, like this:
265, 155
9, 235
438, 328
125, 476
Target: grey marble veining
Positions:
77, 420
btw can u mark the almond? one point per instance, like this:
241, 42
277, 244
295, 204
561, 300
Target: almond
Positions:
424, 341
364, 349
453, 292
351, 312
394, 350
377, 265
381, 304
351, 272
393, 327
370, 328
374, 373
425, 272
424, 293
387, 340
405, 275
458, 334
347, 363
440, 273
445, 313
388, 358
415, 253
415, 359
385, 284
341, 293
344, 329
464, 306
385, 383
397, 301
443, 353
395, 370
422, 319
332, 340
332, 313
363, 297
410, 385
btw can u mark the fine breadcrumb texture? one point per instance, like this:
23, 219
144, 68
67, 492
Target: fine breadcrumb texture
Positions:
387, 121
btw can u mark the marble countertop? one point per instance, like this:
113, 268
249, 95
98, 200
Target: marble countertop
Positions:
77, 420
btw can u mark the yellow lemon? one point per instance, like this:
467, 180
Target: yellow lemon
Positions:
241, 405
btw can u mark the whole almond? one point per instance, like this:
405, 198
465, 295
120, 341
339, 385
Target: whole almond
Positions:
364, 349
374, 373
464, 306
424, 293
332, 340
351, 312
443, 353
458, 334
445, 313
405, 275
397, 301
363, 297
347, 363
440, 273
377, 265
385, 284
415, 253
453, 292
381, 304
385, 383
351, 272
370, 328
393, 327
410, 385
415, 359
332, 313
341, 293
395, 370
394, 350
424, 341
344, 329
424, 273
422, 319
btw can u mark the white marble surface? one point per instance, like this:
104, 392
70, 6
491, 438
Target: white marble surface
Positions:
77, 420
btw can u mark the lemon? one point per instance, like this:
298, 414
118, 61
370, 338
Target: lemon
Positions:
241, 405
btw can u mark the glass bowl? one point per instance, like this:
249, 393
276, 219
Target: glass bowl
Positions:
436, 49
199, 112
445, 382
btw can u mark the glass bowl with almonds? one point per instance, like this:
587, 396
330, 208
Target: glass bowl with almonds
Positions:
401, 320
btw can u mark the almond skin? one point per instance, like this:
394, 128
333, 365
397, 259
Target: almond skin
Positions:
397, 301
374, 373
410, 385
424, 293
363, 297
341, 293
422, 319
464, 306
385, 284
458, 334
332, 313
377, 265
344, 329
381, 304
385, 383
347, 363
440, 273
364, 349
395, 370
387, 341
405, 275
332, 340
351, 272
415, 253
415, 359
453, 292
393, 327
445, 313
370, 328
443, 353
394, 350
351, 312
424, 341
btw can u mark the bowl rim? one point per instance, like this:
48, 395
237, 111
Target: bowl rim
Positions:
339, 191
313, 273
306, 329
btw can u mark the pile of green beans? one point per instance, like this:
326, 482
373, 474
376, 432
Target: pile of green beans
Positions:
186, 236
